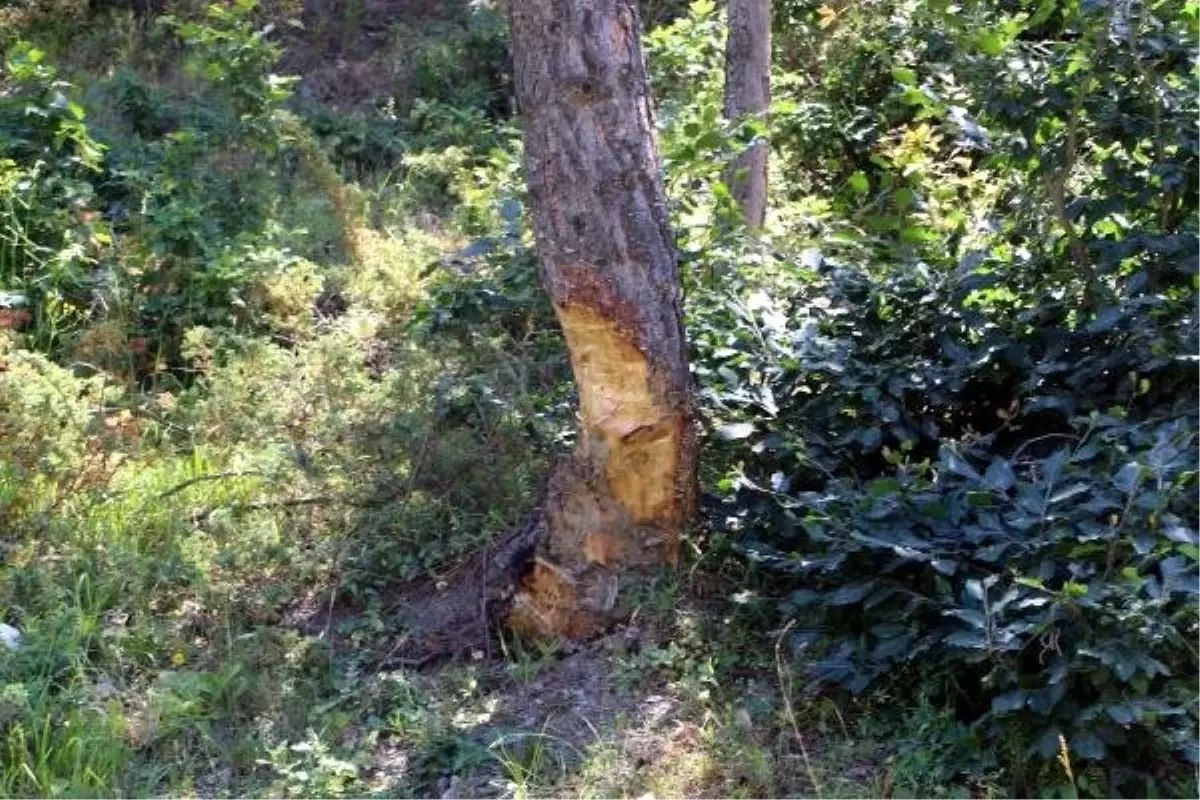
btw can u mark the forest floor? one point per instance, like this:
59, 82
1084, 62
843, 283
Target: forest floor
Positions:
682, 700
649, 710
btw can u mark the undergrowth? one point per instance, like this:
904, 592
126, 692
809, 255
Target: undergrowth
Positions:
271, 355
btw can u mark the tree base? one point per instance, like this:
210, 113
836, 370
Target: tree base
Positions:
560, 576
588, 550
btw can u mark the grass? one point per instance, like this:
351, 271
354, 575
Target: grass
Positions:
192, 624
160, 565
155, 662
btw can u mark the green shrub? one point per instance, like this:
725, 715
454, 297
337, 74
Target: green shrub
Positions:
52, 241
953, 505
359, 143
958, 398
50, 424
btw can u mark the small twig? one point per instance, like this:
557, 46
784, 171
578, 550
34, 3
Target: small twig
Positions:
1110, 560
1016, 454
259, 505
1064, 758
417, 462
144, 412
335, 583
483, 600
411, 663
990, 624
785, 687
414, 663
1155, 108
216, 476
842, 722
1056, 186
329, 616
306, 500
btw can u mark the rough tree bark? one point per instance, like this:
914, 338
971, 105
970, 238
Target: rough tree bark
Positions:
748, 93
615, 507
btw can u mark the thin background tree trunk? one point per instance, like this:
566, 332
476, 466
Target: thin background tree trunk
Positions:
608, 262
748, 92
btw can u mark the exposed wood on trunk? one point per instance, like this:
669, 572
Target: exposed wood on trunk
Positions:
608, 261
748, 93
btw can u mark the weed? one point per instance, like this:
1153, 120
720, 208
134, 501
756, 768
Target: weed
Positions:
531, 762
527, 659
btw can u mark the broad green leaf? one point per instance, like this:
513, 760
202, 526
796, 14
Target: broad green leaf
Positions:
1176, 532
1008, 702
734, 431
971, 640
849, 594
1086, 745
1069, 492
1128, 478
956, 464
999, 475
974, 618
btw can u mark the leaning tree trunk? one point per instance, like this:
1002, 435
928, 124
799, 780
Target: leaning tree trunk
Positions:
748, 93
607, 256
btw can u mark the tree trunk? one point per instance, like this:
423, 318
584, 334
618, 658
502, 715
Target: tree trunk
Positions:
615, 507
748, 92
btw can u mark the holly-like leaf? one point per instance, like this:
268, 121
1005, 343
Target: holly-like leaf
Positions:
1086, 745
1000, 476
1128, 477
1008, 702
734, 431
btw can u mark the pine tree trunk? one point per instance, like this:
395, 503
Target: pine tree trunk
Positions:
748, 93
615, 507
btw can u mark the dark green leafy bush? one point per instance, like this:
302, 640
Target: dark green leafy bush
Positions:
954, 499
956, 403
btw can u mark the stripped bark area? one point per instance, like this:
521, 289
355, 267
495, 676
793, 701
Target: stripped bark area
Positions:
615, 507
748, 93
